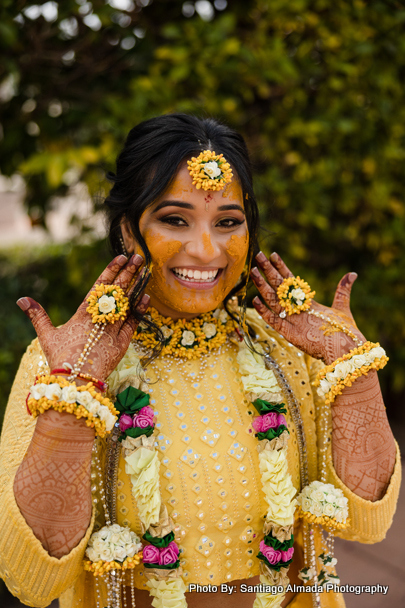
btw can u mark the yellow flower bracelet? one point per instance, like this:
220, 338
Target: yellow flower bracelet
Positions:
333, 378
57, 393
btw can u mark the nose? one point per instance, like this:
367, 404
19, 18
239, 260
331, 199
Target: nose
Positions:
203, 247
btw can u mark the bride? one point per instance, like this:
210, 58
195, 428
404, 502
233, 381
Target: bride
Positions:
225, 472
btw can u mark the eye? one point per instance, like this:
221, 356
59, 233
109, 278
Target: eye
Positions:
173, 220
230, 223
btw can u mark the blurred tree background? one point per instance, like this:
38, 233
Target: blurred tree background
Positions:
315, 87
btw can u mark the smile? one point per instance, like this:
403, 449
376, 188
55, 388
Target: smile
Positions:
196, 276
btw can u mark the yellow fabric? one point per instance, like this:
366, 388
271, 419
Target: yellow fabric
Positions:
209, 479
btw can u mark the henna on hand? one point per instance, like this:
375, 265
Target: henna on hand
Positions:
52, 484
362, 441
66, 343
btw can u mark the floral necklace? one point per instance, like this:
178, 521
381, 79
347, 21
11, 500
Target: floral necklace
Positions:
135, 429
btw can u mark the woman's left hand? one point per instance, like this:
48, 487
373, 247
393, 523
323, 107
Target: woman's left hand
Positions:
306, 331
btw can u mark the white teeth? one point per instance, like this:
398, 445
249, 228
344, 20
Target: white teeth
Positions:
196, 275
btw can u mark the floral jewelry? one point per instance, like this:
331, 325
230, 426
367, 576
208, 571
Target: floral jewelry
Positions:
295, 296
190, 339
333, 378
52, 392
112, 548
209, 171
107, 304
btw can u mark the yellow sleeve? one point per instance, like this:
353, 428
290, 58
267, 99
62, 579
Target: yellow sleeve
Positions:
28, 570
369, 521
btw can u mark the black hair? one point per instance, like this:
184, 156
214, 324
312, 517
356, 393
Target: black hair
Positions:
148, 163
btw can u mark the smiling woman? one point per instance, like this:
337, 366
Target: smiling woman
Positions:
190, 482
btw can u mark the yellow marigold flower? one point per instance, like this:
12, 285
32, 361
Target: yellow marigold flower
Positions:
210, 171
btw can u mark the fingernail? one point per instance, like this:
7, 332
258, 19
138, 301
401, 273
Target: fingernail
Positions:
23, 303
137, 259
353, 276
121, 259
274, 257
261, 257
256, 301
255, 272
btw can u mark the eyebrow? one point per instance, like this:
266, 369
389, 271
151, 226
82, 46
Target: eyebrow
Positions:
183, 205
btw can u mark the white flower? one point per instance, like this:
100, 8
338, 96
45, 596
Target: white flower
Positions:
92, 554
114, 528
209, 329
329, 510
126, 536
342, 369
38, 391
318, 495
98, 545
84, 398
330, 498
298, 294
188, 338
103, 414
316, 509
223, 316
110, 421
106, 304
378, 352
166, 331
53, 392
119, 553
306, 504
358, 361
106, 555
212, 169
331, 377
131, 549
342, 501
69, 394
325, 386
93, 407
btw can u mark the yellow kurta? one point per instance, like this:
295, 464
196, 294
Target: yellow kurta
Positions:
209, 478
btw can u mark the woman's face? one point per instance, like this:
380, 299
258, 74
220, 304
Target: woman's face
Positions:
198, 242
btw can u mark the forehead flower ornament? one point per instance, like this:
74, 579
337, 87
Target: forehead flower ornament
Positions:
210, 171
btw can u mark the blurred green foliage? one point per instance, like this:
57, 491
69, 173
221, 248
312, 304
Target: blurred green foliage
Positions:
315, 87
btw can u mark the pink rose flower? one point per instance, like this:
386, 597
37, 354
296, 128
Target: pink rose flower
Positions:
281, 420
151, 554
125, 422
169, 555
261, 424
287, 555
272, 556
144, 417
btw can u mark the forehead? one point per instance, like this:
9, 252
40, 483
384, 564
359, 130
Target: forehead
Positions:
182, 189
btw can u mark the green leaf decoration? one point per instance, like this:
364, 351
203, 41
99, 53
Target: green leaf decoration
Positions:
137, 432
272, 541
272, 433
159, 541
131, 400
264, 407
275, 567
161, 567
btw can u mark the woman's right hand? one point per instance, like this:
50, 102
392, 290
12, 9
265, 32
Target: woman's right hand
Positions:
65, 344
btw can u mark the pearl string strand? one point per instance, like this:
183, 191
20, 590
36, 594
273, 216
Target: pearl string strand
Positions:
338, 326
94, 336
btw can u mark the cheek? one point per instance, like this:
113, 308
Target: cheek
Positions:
160, 248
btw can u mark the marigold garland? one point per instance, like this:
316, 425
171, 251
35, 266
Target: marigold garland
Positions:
209, 171
294, 296
107, 304
190, 339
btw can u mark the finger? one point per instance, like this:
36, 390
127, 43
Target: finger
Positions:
280, 266
128, 272
270, 272
267, 292
37, 315
110, 272
269, 316
341, 301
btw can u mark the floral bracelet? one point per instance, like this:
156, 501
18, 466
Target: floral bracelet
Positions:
333, 378
57, 393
